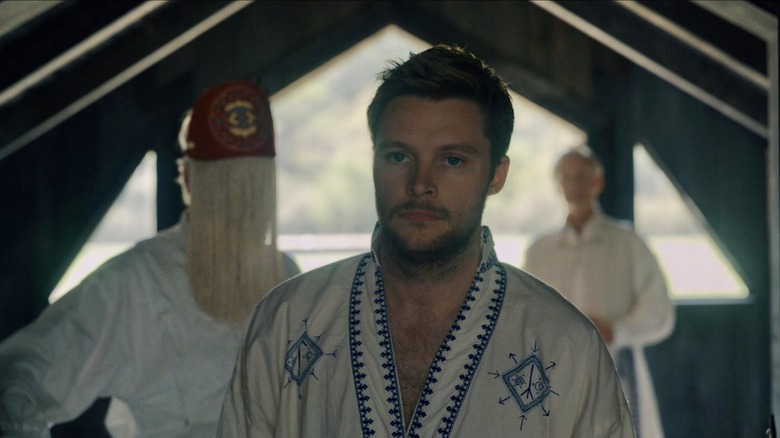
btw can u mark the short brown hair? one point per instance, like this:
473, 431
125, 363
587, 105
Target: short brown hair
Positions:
443, 72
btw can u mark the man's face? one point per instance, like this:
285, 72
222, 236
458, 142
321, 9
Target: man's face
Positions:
579, 182
432, 175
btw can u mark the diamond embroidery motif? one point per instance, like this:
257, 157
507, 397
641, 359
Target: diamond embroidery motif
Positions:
528, 383
301, 357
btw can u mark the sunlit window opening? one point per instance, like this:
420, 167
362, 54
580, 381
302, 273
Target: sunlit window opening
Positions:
326, 196
131, 218
694, 266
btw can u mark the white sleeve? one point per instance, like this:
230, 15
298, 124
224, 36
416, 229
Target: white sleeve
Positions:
652, 318
604, 410
251, 402
54, 368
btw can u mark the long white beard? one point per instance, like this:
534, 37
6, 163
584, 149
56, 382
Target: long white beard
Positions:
233, 258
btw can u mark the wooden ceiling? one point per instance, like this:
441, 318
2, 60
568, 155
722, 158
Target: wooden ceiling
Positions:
61, 57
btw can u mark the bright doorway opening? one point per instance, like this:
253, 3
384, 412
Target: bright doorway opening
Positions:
694, 265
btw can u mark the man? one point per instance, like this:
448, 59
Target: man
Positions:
427, 334
158, 327
607, 271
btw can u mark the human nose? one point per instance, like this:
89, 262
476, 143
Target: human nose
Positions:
569, 184
421, 181
572, 181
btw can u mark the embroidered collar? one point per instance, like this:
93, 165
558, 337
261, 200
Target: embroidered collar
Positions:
368, 313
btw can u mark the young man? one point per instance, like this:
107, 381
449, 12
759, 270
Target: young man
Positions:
158, 327
427, 334
605, 268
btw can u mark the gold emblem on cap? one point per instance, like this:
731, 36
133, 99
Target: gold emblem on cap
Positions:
242, 128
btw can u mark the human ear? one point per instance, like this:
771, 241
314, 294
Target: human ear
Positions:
499, 176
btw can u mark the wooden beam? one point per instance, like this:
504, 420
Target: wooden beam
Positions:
78, 78
650, 48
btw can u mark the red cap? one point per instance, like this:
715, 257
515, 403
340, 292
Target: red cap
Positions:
231, 120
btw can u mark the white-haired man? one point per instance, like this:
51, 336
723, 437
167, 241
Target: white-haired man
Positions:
606, 269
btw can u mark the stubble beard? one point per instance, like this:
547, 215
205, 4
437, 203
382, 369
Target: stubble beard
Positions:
440, 250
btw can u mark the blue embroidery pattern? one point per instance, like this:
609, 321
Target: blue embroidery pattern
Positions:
484, 338
386, 350
355, 354
301, 357
386, 342
528, 383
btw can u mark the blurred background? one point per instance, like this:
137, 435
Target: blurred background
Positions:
678, 98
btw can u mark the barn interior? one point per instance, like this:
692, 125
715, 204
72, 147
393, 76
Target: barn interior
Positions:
87, 89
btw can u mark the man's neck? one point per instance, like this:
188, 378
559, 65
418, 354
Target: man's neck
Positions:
578, 219
434, 282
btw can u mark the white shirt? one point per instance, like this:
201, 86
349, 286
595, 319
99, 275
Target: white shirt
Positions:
131, 331
609, 272
519, 360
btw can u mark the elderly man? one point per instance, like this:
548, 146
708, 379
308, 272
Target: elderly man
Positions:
607, 271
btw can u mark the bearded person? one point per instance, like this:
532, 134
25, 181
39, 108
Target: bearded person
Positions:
157, 328
427, 333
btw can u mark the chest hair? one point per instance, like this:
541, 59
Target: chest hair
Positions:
416, 339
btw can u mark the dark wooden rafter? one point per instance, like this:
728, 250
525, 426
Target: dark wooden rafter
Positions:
689, 62
97, 65
34, 100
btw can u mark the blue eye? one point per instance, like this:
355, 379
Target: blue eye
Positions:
453, 161
397, 157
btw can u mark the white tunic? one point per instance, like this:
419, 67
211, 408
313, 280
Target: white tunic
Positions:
610, 273
132, 331
519, 360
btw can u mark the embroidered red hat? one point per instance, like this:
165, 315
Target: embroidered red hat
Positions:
230, 120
